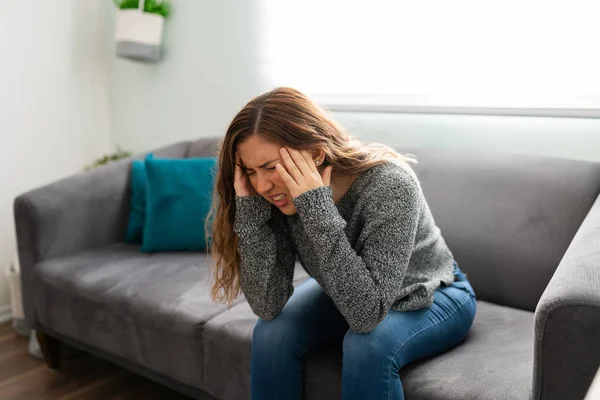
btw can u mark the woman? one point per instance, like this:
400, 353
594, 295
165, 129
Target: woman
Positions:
292, 183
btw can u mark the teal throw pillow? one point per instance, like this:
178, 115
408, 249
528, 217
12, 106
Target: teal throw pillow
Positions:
137, 202
178, 200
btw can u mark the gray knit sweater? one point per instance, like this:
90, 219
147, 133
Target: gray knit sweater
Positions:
377, 248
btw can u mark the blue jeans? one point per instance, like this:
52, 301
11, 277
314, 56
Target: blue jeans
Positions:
371, 361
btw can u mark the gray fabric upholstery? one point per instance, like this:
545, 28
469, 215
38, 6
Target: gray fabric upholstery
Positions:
192, 391
176, 150
495, 361
227, 343
150, 309
507, 218
567, 321
79, 212
203, 148
73, 214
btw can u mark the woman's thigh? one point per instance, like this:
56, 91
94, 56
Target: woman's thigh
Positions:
308, 319
403, 337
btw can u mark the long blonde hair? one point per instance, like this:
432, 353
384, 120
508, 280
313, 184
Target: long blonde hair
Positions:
289, 118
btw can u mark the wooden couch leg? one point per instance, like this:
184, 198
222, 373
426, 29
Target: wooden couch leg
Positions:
50, 349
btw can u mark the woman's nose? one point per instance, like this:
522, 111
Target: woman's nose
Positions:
263, 184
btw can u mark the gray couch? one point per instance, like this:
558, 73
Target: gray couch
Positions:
525, 229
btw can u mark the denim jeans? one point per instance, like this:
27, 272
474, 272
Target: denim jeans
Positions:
371, 361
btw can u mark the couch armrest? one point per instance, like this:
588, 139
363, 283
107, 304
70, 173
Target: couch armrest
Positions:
567, 319
83, 211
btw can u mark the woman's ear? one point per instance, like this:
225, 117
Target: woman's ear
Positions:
318, 156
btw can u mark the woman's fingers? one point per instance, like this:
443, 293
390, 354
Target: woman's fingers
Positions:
240, 181
238, 170
288, 180
300, 173
290, 165
310, 163
238, 173
300, 161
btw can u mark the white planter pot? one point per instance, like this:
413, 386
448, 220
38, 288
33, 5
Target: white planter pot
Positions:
138, 35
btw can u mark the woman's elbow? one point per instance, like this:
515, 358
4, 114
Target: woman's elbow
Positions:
265, 312
265, 308
367, 321
268, 315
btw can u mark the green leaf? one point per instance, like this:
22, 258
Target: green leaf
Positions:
108, 158
150, 6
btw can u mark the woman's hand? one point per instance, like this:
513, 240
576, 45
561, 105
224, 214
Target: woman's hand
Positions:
300, 173
240, 180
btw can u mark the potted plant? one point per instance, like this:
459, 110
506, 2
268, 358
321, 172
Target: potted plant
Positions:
139, 28
107, 158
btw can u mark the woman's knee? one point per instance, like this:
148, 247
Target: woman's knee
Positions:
366, 348
278, 334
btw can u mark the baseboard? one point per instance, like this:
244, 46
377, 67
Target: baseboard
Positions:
5, 313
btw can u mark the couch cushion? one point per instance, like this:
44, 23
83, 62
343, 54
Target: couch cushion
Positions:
149, 309
137, 202
227, 343
507, 218
495, 362
178, 200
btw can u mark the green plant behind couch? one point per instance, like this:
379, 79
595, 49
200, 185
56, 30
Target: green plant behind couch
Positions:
150, 6
110, 157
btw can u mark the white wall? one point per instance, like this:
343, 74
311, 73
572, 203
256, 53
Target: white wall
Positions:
54, 110
213, 65
208, 72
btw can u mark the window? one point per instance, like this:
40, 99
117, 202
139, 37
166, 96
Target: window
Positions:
436, 54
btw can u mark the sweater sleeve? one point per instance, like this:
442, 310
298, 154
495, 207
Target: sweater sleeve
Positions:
267, 256
364, 286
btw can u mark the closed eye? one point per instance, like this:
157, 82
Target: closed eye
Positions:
251, 172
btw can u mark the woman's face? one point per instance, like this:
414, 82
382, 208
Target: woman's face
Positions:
259, 157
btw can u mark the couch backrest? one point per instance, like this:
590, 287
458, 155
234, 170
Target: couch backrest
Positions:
175, 150
203, 147
507, 218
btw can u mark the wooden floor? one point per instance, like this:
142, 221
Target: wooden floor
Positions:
82, 377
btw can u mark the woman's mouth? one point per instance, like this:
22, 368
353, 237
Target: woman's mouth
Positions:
281, 200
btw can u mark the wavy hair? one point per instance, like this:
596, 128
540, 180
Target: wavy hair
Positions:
289, 118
